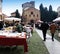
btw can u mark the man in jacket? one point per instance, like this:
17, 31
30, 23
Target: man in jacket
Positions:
44, 28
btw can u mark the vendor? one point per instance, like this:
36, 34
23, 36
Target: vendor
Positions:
14, 29
19, 27
1, 25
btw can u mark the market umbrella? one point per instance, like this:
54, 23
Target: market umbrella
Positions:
57, 19
39, 21
11, 19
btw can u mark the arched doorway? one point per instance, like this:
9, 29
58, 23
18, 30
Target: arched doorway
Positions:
32, 22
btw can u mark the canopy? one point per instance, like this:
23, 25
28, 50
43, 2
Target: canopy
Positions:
56, 20
1, 20
12, 18
39, 21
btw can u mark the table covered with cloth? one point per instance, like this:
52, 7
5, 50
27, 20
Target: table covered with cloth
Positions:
10, 39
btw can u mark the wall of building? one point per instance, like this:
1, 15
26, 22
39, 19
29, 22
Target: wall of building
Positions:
13, 14
31, 14
28, 4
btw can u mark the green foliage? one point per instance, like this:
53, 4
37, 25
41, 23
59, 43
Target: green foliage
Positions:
47, 15
17, 14
50, 8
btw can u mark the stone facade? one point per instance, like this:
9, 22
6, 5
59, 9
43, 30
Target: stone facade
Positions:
4, 16
31, 14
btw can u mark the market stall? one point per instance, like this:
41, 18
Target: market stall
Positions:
12, 19
11, 39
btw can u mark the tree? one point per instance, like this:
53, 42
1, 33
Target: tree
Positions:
47, 15
17, 14
55, 14
50, 8
44, 13
41, 11
50, 13
41, 7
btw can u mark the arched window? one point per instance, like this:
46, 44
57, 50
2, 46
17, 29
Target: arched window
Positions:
31, 12
29, 15
33, 15
37, 15
26, 15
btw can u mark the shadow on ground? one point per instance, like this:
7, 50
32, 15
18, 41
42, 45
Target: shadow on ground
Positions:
11, 50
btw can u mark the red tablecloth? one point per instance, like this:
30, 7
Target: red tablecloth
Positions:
9, 41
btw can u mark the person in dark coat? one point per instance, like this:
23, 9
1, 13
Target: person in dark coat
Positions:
1, 25
44, 28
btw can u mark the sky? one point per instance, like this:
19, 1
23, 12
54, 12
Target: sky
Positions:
9, 6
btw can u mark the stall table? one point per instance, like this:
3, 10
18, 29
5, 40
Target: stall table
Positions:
10, 41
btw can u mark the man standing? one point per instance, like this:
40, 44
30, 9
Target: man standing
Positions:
44, 28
